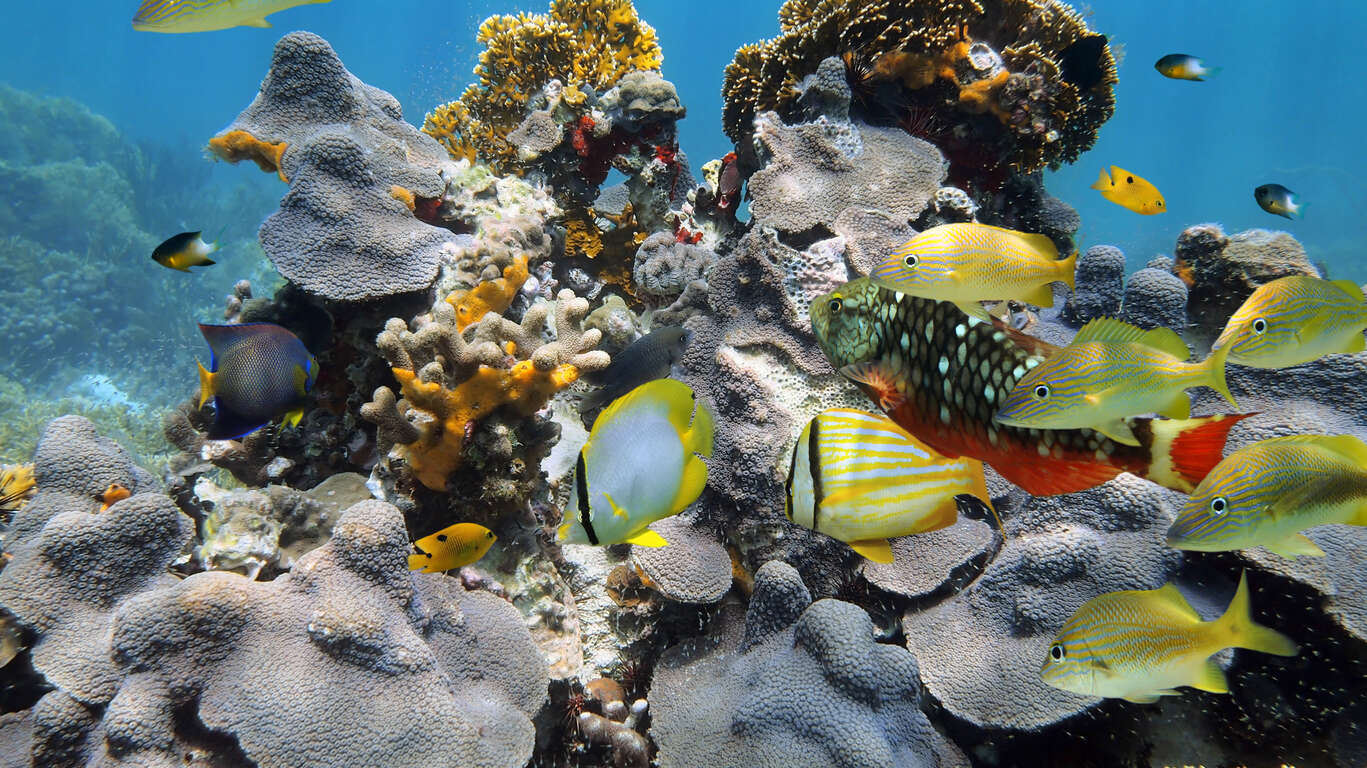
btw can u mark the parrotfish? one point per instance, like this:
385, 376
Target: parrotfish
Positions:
1138, 645
729, 182
257, 371
859, 478
942, 375
1274, 198
1180, 66
1112, 371
638, 466
183, 251
645, 359
1294, 320
1266, 494
970, 263
1129, 191
451, 547
208, 15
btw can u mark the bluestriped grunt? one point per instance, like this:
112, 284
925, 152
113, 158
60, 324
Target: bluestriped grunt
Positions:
451, 547
1294, 320
208, 15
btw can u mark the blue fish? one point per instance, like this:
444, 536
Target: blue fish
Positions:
257, 371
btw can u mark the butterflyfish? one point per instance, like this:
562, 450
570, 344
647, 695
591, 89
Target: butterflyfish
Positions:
640, 465
1276, 199
645, 359
183, 251
1110, 372
859, 478
208, 15
257, 372
1269, 492
1130, 191
1180, 66
970, 263
1296, 319
942, 375
1138, 645
451, 547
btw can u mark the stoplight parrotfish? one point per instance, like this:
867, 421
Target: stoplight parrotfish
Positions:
208, 15
1294, 320
1138, 645
942, 376
452, 547
639, 466
257, 372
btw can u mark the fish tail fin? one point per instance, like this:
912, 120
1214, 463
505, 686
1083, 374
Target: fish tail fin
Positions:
1211, 72
1238, 630
206, 384
700, 435
1183, 451
1103, 181
1299, 210
1216, 369
1069, 268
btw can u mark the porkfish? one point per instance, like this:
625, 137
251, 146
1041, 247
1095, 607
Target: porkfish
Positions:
971, 263
208, 15
1110, 372
1130, 191
1267, 493
1294, 320
451, 547
639, 466
943, 375
859, 478
257, 372
1138, 645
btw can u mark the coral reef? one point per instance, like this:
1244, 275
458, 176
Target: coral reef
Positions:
1155, 298
1099, 285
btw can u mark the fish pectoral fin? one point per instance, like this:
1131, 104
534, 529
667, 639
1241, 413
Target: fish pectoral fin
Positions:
877, 550
293, 417
616, 510
262, 23
974, 309
1041, 296
1119, 431
648, 538
206, 384
1179, 408
1210, 678
1335, 490
1295, 545
871, 375
690, 485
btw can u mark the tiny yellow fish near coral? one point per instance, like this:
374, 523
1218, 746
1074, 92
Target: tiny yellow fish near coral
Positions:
639, 466
1182, 66
183, 251
1130, 191
859, 478
1294, 320
969, 263
451, 547
208, 15
1138, 645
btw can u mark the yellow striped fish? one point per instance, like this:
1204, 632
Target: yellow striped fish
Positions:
1295, 320
1111, 371
1142, 644
208, 15
860, 478
971, 263
1266, 494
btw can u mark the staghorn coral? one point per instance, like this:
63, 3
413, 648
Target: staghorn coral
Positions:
1003, 69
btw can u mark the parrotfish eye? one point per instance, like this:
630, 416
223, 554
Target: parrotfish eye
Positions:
911, 260
1218, 505
1260, 326
836, 304
1056, 652
1042, 391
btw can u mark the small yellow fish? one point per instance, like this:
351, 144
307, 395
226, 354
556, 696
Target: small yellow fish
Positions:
638, 466
859, 478
1181, 66
183, 251
970, 263
1129, 191
208, 15
1141, 644
1267, 493
451, 547
1294, 320
1111, 371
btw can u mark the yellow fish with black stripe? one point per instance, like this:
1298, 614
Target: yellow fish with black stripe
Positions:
208, 15
1294, 320
451, 547
639, 465
1130, 191
1141, 644
971, 263
859, 478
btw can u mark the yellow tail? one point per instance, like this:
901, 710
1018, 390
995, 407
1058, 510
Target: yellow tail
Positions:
1238, 630
1216, 368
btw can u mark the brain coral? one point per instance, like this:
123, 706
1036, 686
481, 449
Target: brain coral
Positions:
1008, 66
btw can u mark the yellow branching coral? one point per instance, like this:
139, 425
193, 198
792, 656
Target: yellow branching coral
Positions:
236, 146
581, 43
489, 296
16, 486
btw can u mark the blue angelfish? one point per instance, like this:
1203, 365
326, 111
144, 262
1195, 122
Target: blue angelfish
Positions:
257, 372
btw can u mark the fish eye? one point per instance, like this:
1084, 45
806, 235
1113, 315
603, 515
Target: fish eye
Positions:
836, 305
1042, 391
911, 260
1260, 326
1056, 652
1129, 179
1218, 505
441, 537
1160, 203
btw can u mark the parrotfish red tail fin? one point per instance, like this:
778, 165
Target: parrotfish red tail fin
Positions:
1217, 382
1051, 478
1238, 630
1183, 451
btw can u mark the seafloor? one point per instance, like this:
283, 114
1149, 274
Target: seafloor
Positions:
249, 602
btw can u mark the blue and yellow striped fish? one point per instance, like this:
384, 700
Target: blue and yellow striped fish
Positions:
1266, 494
208, 15
970, 263
1111, 371
1141, 644
1295, 320
860, 478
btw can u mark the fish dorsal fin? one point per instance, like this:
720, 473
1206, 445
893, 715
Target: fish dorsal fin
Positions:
221, 337
1347, 446
1351, 288
1037, 242
1167, 595
1331, 490
648, 538
1109, 329
877, 550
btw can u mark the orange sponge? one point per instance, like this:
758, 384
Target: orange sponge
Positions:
490, 296
236, 146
